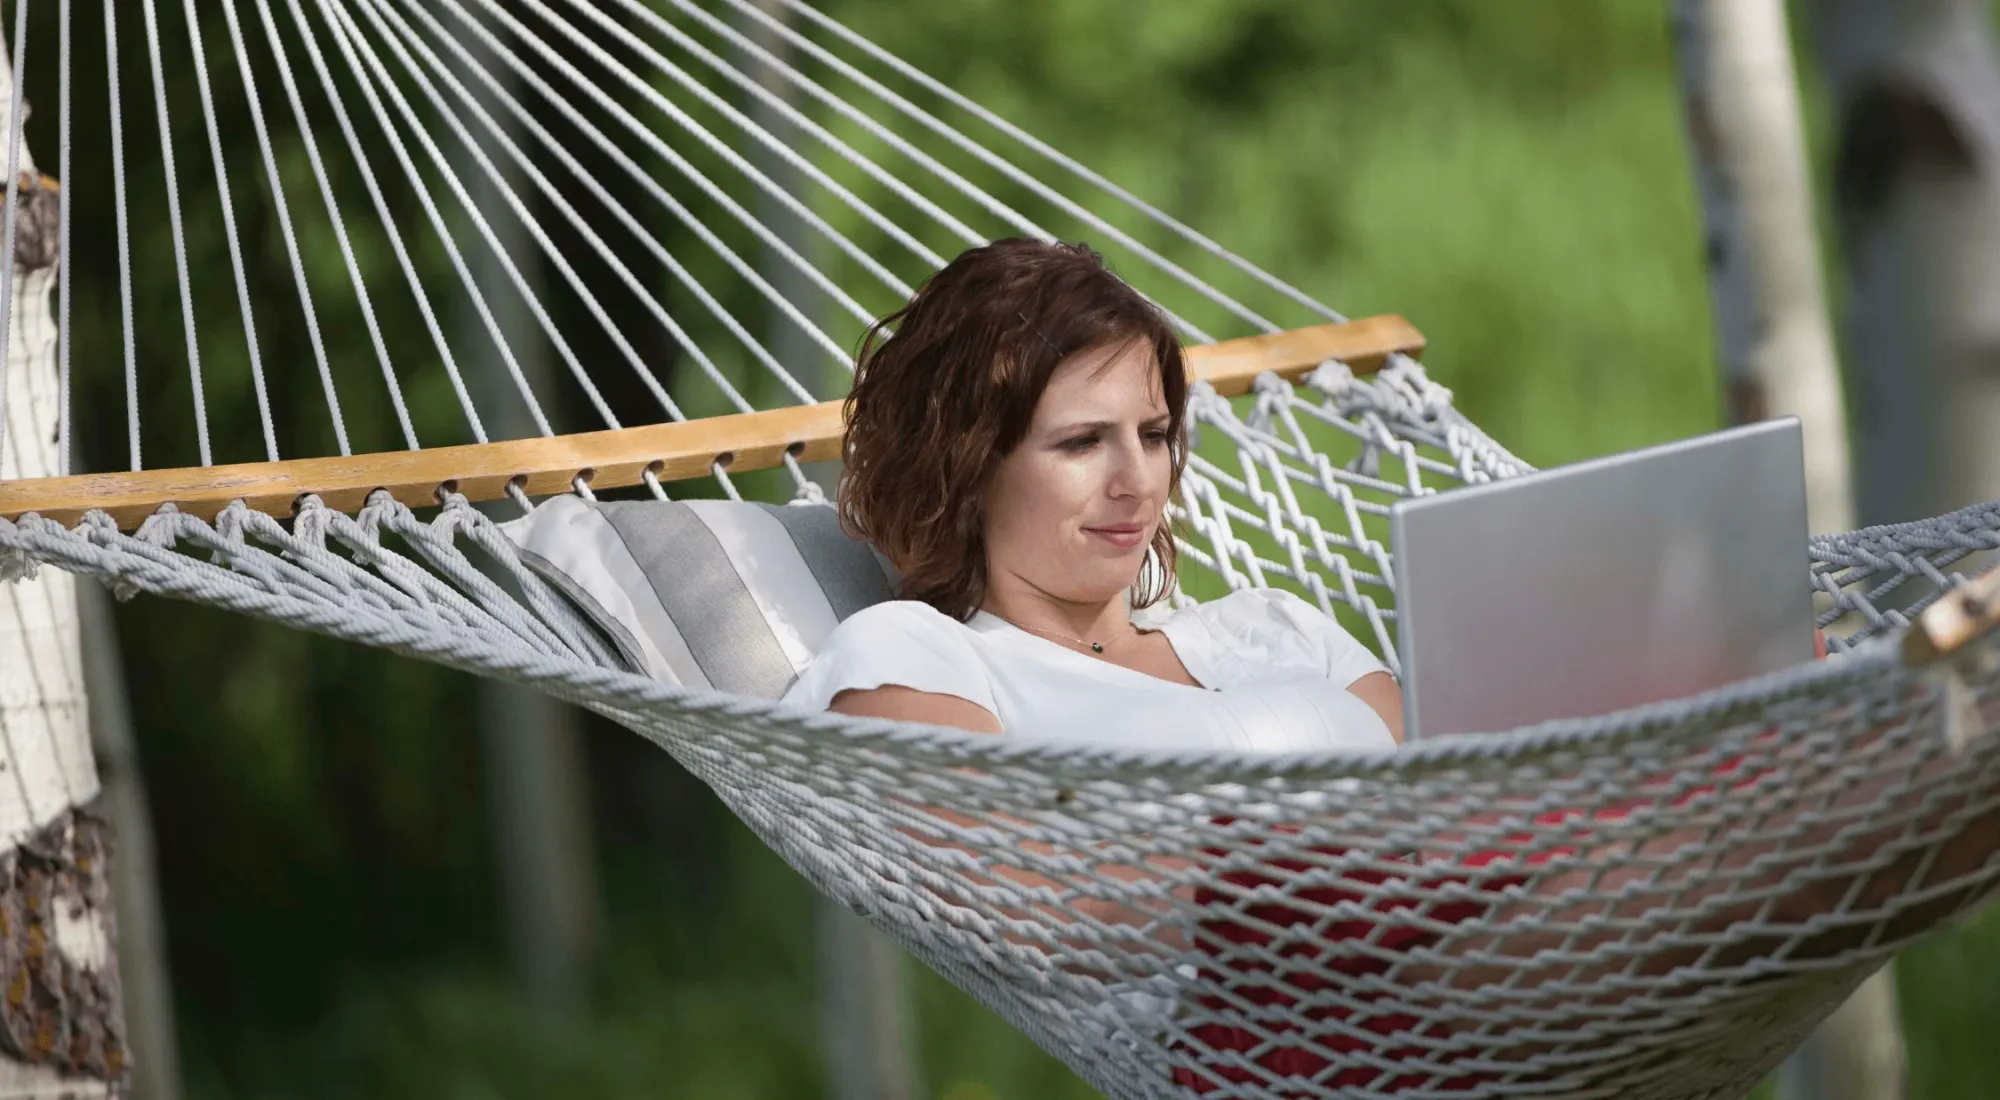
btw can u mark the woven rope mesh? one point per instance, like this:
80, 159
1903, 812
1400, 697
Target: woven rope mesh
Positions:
1655, 904
1295, 485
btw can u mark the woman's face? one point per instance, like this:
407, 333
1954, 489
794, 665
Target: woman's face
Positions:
1071, 511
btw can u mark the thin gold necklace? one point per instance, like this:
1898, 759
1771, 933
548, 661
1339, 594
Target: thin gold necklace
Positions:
1095, 647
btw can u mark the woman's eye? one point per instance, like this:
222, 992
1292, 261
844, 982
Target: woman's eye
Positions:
1080, 443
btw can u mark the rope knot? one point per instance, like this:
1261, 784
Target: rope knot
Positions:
97, 526
310, 524
1427, 400
162, 527
1331, 378
455, 515
1271, 384
230, 522
98, 529
373, 514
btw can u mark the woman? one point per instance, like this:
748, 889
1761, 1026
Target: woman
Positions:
1015, 433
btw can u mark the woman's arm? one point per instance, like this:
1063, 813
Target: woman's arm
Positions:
903, 704
1385, 697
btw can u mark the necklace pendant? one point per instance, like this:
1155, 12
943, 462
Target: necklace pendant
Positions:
1097, 647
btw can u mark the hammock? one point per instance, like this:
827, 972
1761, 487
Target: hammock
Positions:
1659, 903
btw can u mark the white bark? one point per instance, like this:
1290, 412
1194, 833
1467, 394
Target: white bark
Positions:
47, 741
1777, 352
42, 712
1857, 1053
1916, 88
1916, 85
44, 735
1776, 343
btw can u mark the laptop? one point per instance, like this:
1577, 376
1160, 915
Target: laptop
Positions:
1590, 588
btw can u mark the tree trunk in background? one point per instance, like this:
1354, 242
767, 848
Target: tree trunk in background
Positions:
542, 839
863, 995
142, 934
537, 784
1916, 91
1775, 345
61, 1026
1916, 87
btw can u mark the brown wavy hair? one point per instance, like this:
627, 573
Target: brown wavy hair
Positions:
946, 387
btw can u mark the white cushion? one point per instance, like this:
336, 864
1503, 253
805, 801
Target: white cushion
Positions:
735, 596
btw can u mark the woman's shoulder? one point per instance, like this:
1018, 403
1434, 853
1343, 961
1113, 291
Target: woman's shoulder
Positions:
1255, 631
892, 625
902, 643
913, 616
1254, 610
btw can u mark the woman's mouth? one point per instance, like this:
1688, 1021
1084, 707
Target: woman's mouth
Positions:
1124, 536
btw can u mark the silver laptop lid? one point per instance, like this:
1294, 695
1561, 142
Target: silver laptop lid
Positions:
1602, 585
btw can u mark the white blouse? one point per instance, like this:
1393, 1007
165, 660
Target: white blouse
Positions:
1273, 671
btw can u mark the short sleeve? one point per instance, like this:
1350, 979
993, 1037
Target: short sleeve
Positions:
900, 643
1256, 629
1346, 659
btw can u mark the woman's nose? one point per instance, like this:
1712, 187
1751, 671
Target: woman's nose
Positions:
1128, 474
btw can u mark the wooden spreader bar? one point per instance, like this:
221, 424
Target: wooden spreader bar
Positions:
617, 458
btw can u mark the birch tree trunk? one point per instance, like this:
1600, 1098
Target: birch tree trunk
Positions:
1916, 87
1775, 344
61, 1028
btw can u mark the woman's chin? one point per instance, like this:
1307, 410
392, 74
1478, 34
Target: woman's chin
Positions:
1091, 587
1107, 588
1093, 577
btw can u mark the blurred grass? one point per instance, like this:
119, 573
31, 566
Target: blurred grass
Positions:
1510, 177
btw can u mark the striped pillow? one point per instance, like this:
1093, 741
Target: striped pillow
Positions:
734, 596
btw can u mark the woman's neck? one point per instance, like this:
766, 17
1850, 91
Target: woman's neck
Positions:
1035, 610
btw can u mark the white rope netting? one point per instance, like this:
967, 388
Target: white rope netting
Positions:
665, 212
496, 219
1657, 904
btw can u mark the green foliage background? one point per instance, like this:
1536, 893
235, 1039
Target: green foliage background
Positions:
1512, 177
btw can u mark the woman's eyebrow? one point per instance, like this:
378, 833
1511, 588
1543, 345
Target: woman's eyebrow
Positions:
1078, 426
